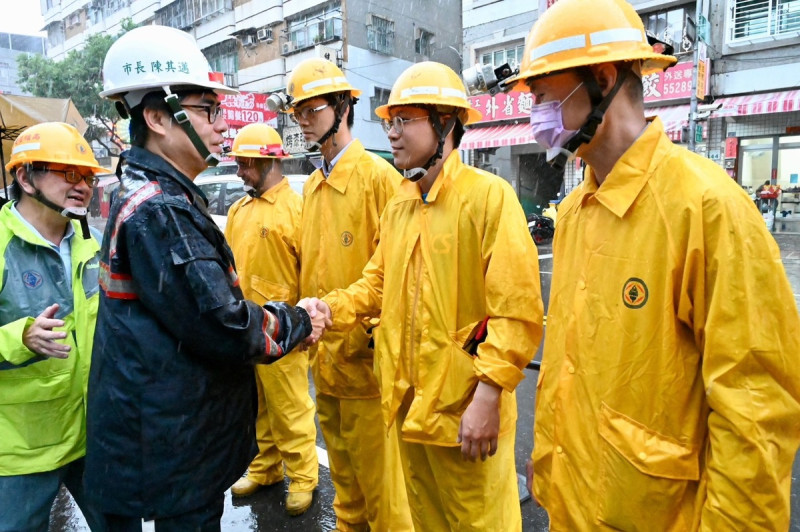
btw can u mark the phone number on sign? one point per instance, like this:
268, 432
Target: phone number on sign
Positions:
678, 87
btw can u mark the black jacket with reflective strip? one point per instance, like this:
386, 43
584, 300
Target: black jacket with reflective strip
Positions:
171, 390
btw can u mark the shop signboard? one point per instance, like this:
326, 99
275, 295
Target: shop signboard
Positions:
675, 83
246, 108
503, 106
731, 147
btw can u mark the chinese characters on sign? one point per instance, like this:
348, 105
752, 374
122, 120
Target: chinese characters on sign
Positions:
673, 84
503, 106
245, 108
293, 139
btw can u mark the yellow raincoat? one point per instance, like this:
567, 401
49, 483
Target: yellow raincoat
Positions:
264, 234
440, 268
340, 233
668, 395
341, 215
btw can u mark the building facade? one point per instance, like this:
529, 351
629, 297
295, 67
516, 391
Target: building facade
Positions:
748, 120
256, 43
12, 46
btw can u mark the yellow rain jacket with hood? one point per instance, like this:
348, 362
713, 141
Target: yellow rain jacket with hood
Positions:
668, 395
462, 256
340, 233
264, 235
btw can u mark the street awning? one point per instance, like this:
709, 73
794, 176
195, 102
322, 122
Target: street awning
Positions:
673, 117
496, 136
758, 104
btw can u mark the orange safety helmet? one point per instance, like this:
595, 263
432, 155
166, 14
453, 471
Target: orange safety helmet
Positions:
258, 141
53, 142
578, 33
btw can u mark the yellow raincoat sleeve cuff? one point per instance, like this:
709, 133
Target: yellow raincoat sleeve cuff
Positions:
11, 347
342, 316
498, 373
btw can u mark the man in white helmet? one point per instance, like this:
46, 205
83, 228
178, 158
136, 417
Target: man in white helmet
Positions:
170, 415
263, 230
669, 396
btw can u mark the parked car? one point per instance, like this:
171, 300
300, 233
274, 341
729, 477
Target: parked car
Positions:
223, 187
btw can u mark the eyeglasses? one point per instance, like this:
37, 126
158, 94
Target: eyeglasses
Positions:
71, 176
306, 113
212, 111
397, 123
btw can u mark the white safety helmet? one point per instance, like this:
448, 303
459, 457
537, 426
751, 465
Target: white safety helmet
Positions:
153, 57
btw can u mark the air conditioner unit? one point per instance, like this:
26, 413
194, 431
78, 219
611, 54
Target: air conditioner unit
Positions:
264, 34
249, 40
287, 48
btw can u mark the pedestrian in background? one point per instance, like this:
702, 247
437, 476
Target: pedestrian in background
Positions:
263, 231
48, 308
342, 204
171, 423
459, 275
668, 397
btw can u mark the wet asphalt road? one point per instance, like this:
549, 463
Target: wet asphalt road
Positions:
264, 511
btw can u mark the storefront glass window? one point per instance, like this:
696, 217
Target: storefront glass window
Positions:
789, 163
756, 164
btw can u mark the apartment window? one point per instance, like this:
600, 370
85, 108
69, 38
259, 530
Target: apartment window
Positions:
316, 27
224, 57
669, 26
764, 18
423, 44
381, 97
512, 56
55, 34
380, 34
187, 13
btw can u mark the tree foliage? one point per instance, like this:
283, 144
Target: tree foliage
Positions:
78, 76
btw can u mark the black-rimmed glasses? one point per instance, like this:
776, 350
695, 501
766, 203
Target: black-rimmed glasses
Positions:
397, 123
306, 113
71, 176
212, 111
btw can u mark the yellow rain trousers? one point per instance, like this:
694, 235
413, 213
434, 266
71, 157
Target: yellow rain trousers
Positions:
264, 234
339, 234
668, 395
442, 267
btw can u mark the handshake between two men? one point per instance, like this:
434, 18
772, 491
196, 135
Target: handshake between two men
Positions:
320, 314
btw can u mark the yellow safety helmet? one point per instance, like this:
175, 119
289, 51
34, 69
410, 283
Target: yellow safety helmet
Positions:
259, 141
315, 77
430, 83
53, 142
577, 33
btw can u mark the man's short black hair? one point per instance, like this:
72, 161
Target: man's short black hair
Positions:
153, 100
458, 134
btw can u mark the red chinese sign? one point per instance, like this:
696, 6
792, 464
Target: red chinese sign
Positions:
246, 108
672, 84
731, 147
501, 106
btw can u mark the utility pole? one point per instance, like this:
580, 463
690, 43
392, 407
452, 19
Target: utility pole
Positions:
695, 61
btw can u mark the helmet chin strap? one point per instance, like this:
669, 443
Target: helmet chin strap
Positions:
585, 134
441, 130
174, 103
342, 100
73, 213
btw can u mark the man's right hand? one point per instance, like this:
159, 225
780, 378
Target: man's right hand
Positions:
40, 337
320, 314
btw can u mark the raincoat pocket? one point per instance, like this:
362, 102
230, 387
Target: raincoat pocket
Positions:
457, 374
204, 273
34, 410
269, 291
645, 475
